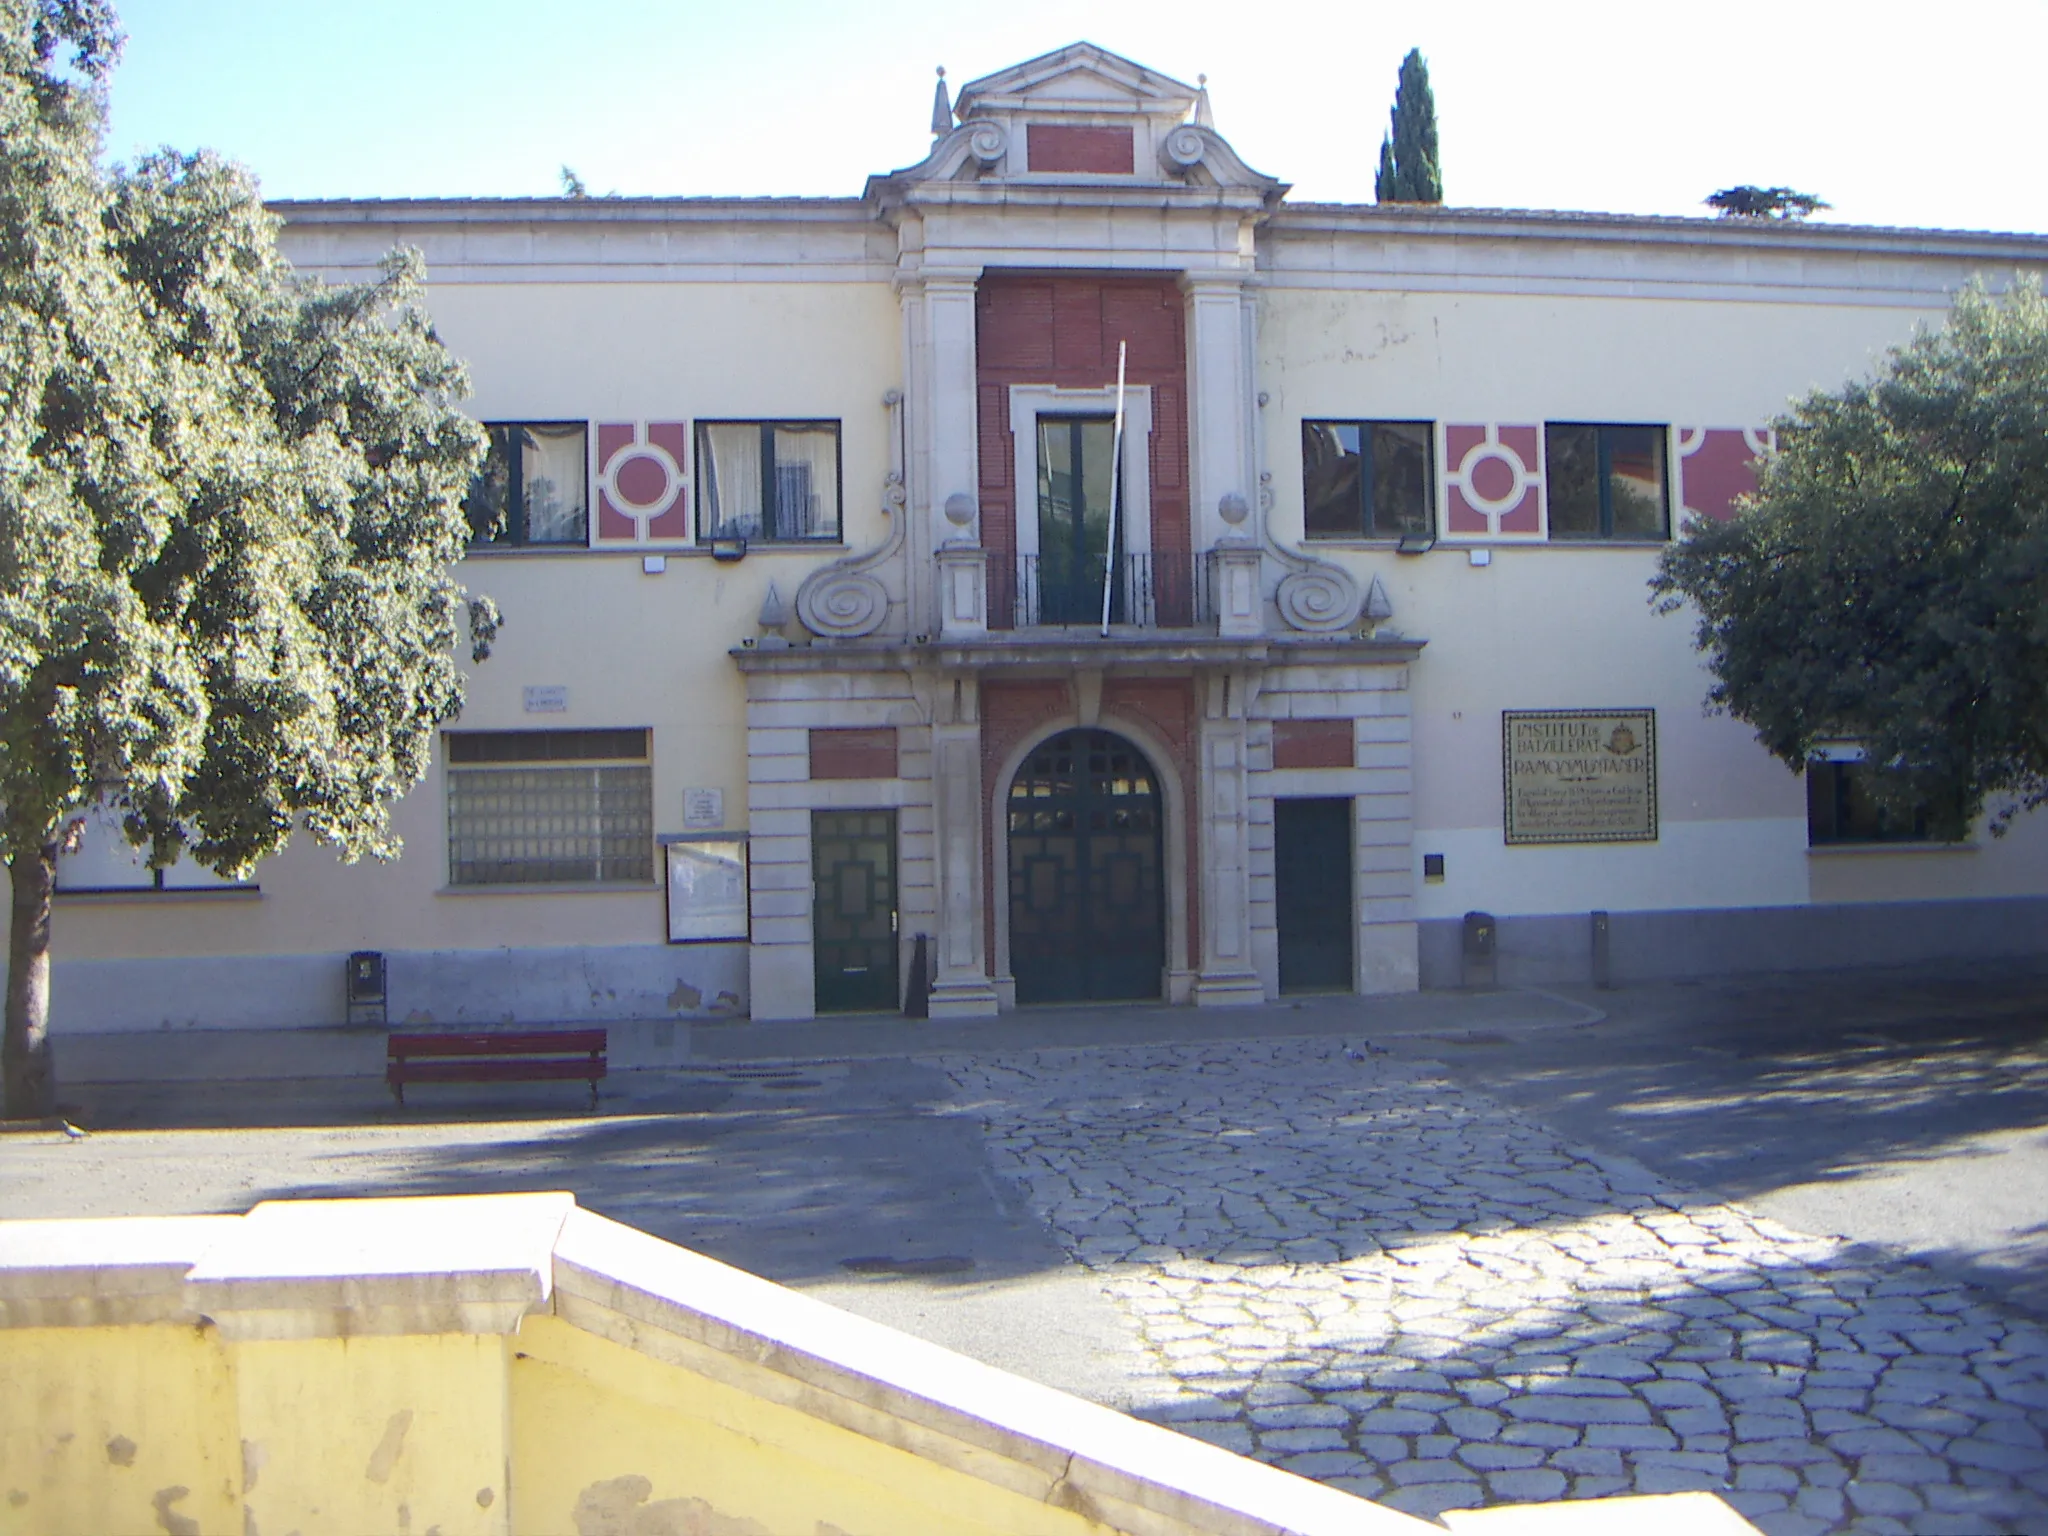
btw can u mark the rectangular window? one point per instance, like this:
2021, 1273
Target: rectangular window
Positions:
548, 807
98, 857
1367, 479
534, 487
1840, 807
768, 482
1606, 482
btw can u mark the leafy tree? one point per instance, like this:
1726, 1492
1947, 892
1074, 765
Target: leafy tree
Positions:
1889, 581
1409, 170
1765, 203
572, 184
229, 499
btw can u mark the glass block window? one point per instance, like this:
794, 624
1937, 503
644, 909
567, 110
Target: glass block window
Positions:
549, 807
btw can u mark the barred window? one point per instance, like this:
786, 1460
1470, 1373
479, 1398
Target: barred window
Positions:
544, 807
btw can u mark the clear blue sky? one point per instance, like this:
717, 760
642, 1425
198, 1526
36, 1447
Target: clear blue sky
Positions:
1898, 114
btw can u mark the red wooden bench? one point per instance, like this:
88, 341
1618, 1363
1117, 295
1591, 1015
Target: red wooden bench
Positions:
496, 1056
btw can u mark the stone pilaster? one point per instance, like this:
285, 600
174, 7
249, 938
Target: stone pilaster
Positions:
961, 989
1220, 394
945, 460
1227, 976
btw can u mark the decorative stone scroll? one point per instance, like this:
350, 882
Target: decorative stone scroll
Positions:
987, 143
843, 601
846, 600
1315, 596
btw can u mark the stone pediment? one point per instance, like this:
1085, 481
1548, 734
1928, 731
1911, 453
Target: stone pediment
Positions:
1079, 116
1079, 78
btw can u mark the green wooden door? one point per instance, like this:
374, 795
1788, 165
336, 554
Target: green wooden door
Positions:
853, 910
1087, 911
1312, 893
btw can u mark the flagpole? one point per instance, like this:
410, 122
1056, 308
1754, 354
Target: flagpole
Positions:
1116, 485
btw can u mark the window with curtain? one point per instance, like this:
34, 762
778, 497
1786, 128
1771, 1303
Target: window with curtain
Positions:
534, 487
768, 482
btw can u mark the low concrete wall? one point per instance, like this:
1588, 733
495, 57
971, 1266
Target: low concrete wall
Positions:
1655, 946
571, 984
496, 1364
500, 1364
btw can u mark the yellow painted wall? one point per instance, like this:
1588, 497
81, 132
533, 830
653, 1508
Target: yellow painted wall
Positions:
402, 1434
632, 649
166, 1428
117, 1429
608, 1442
1550, 627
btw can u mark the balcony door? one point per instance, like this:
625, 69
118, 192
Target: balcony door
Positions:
1076, 490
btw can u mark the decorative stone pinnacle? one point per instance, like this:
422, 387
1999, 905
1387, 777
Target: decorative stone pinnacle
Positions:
942, 107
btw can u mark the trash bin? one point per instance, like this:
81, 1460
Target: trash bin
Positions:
367, 1003
1478, 969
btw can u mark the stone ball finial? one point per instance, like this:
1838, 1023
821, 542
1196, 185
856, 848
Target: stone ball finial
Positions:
1232, 508
959, 509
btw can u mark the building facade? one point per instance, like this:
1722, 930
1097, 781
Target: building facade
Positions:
1075, 568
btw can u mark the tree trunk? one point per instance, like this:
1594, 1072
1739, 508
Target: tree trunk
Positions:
31, 1085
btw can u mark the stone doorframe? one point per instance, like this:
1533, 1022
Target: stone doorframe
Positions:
1177, 985
1029, 402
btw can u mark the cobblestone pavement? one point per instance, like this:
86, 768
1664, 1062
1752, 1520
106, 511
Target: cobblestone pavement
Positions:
1357, 1270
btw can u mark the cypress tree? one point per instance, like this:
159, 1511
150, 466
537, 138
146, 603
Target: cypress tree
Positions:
1409, 170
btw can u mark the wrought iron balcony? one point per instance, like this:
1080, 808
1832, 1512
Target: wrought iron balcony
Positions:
1150, 591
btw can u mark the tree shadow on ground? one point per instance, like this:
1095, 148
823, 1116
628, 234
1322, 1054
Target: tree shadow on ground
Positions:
831, 1174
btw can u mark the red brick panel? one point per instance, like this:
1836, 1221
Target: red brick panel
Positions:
1314, 744
1063, 331
1090, 151
854, 754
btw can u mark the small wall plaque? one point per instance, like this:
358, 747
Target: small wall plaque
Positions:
551, 699
703, 810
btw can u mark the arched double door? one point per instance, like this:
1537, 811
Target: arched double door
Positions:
1087, 894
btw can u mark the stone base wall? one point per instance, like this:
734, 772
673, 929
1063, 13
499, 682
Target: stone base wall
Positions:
571, 984
1557, 949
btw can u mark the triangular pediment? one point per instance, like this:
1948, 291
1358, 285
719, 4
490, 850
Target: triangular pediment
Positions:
1079, 77
1077, 117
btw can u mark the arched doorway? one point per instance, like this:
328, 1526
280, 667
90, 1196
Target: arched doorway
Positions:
1087, 915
